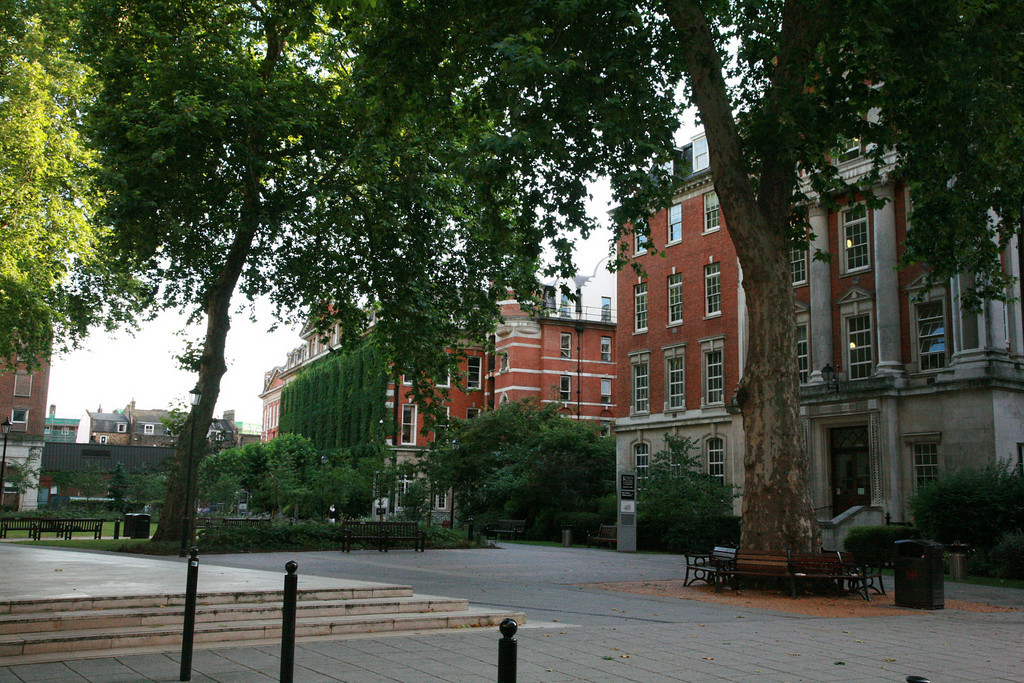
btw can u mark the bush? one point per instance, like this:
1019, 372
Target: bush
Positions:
975, 507
1007, 557
303, 536
874, 545
679, 506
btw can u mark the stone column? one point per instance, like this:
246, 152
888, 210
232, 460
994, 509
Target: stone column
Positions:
887, 292
821, 295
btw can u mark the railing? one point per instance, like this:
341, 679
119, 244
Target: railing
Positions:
569, 311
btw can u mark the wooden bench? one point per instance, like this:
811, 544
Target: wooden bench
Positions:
608, 533
512, 528
383, 534
704, 567
16, 524
755, 564
87, 526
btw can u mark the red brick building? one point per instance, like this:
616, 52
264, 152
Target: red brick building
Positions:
563, 354
23, 394
920, 385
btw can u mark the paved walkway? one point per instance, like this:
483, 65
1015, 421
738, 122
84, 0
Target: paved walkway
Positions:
574, 633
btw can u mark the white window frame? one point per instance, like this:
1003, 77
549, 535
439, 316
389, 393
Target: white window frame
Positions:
640, 243
640, 384
640, 307
675, 223
926, 463
641, 459
606, 349
849, 149
855, 239
712, 212
606, 390
103, 438
474, 372
713, 289
147, 429
565, 388
122, 428
934, 360
798, 265
408, 435
606, 309
858, 342
15, 422
675, 377
565, 345
803, 353
441, 501
712, 363
471, 413
714, 456
675, 299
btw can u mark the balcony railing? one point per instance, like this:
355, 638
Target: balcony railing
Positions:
603, 314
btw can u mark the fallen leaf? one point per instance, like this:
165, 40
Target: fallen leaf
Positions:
840, 663
710, 659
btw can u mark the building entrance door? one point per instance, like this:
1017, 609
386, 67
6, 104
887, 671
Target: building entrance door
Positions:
851, 468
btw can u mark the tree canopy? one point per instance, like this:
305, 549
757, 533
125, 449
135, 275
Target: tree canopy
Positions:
54, 283
930, 93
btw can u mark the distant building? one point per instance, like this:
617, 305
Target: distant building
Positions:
23, 401
104, 428
60, 429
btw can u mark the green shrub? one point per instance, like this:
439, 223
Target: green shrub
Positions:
679, 506
874, 545
1007, 557
302, 536
975, 507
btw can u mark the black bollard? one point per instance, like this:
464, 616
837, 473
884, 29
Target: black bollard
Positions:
469, 522
291, 582
507, 651
189, 629
117, 529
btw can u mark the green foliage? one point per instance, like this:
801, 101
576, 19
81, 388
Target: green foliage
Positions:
339, 402
972, 506
90, 483
1008, 556
119, 484
523, 461
23, 476
874, 545
304, 536
54, 280
286, 473
679, 507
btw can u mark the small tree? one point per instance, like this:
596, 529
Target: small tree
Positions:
23, 476
119, 486
679, 506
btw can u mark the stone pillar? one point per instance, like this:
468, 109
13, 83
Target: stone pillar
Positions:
887, 292
821, 295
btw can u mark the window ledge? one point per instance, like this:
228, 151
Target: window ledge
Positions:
709, 316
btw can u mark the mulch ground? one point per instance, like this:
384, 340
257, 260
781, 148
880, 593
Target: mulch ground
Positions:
849, 605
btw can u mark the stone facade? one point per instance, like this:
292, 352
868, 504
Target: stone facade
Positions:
921, 385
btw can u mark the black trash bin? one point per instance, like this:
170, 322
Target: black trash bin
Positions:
919, 574
136, 525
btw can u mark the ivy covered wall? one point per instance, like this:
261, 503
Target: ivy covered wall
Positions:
338, 402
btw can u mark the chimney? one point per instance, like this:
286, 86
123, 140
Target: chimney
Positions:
53, 410
229, 415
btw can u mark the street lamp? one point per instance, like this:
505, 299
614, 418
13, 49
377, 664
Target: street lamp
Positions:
5, 426
194, 397
830, 377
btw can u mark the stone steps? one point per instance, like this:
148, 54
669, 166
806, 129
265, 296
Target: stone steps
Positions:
60, 629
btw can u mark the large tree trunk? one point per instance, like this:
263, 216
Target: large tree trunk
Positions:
777, 511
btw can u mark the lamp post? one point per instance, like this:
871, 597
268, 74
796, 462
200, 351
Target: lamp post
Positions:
194, 397
5, 426
830, 377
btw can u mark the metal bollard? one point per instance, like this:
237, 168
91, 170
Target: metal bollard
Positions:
507, 651
291, 582
117, 529
189, 629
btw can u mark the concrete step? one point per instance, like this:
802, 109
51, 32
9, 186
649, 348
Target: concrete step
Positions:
144, 617
87, 603
62, 645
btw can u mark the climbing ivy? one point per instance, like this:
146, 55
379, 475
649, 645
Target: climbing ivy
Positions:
338, 402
